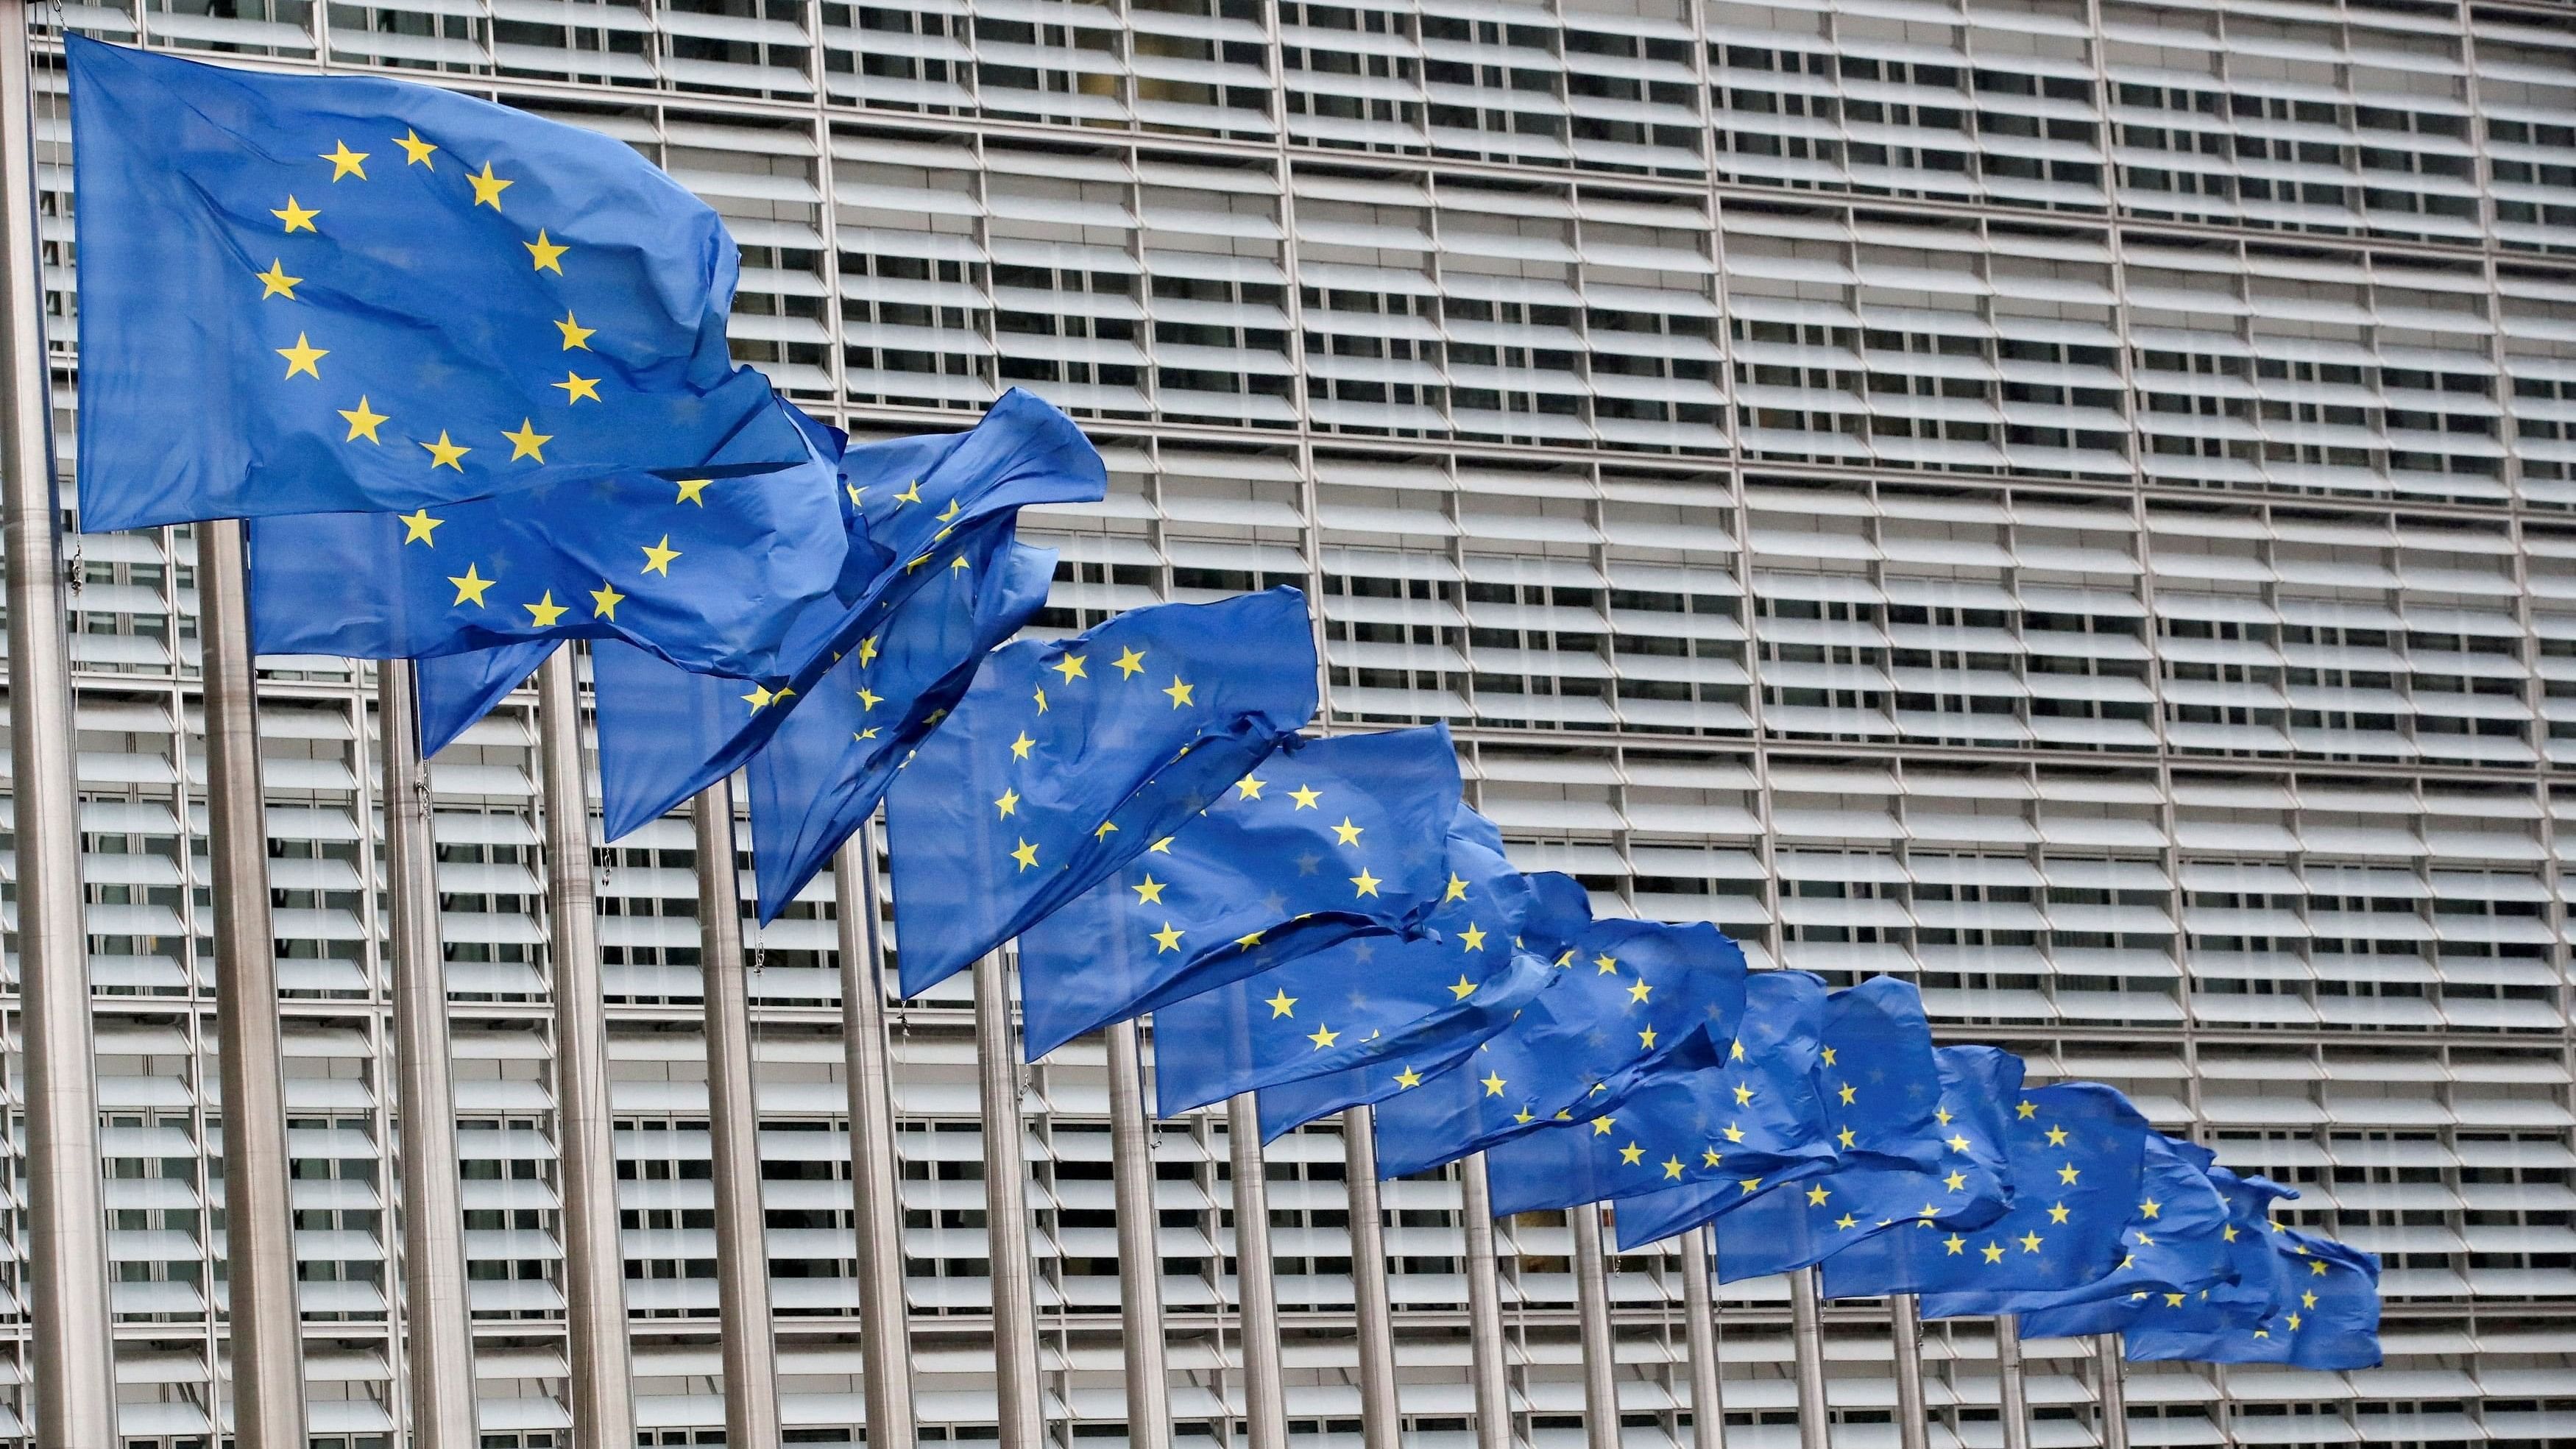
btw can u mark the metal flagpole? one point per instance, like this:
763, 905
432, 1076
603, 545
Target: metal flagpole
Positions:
601, 1387
1807, 1331
1381, 1410
1256, 1291
1006, 1212
259, 1217
66, 1261
2015, 1394
437, 1326
2112, 1387
746, 1332
1699, 1303
885, 1342
1140, 1252
1592, 1315
1485, 1366
1905, 1323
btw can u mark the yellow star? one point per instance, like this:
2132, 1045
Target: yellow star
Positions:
275, 282
417, 527
2150, 1208
1958, 1144
1070, 666
1249, 788
2317, 1268
1646, 1039
1957, 1245
1008, 802
694, 490
1162, 846
1847, 1094
1281, 1005
1955, 1181
1149, 892
2294, 1323
2068, 1174
547, 253
949, 513
1130, 662
1472, 938
1743, 1095
2057, 1214
2056, 1136
1673, 1169
1346, 833
1179, 692
2024, 1111
1026, 855
911, 492
1640, 991
1735, 1050
1994, 1253
1816, 1195
574, 334
1828, 1056
1165, 939
576, 387
1847, 1222
363, 422
1525, 1116
1457, 885
868, 651
488, 188
1020, 746
604, 600
2308, 1299
1847, 1138
1307, 795
444, 454
760, 698
2029, 1242
297, 218
302, 356
1364, 884
469, 589
1708, 1157
1462, 988
544, 612
2227, 1234
1407, 1078
1601, 1125
526, 441
865, 735
415, 150
1493, 1084
1941, 1114
1751, 1185
658, 556
1324, 1036
344, 162
1632, 1155
1608, 965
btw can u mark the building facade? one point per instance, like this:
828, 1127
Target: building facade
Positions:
2072, 502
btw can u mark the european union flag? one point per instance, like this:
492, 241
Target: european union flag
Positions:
1068, 759
822, 773
1739, 1116
1326, 840
2175, 1241
1485, 950
2319, 1309
1628, 991
929, 504
458, 689
327, 294
2077, 1152
705, 572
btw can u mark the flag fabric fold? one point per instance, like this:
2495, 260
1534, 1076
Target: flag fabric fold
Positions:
322, 294
1326, 840
1100, 744
2174, 1241
2317, 1307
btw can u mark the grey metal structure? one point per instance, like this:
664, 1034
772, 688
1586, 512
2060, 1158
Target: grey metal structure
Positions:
1905, 1340
1381, 1409
1806, 1326
876, 1210
1264, 1383
1592, 1314
1020, 1415
745, 1330
1147, 1362
2013, 1390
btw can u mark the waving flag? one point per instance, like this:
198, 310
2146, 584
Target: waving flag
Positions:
2175, 1241
1067, 760
1326, 840
2077, 1154
1738, 1116
1378, 1005
2319, 1310
325, 294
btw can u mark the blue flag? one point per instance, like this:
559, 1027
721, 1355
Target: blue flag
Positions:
930, 504
1066, 760
327, 294
705, 572
1628, 991
2244, 1295
2319, 1310
822, 773
1737, 1117
1388, 1001
2077, 1152
2175, 1240
1327, 840
458, 689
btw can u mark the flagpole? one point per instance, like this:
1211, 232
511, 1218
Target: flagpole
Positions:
1592, 1315
1265, 1389
259, 1215
1381, 1408
885, 1336
2015, 1394
600, 1387
1006, 1212
1905, 1325
66, 1247
2112, 1385
747, 1335
1485, 1366
1140, 1250
1699, 1307
1807, 1335
437, 1325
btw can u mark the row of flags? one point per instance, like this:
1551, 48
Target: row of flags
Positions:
378, 285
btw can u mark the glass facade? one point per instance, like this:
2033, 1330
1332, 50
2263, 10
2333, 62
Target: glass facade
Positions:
2071, 502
